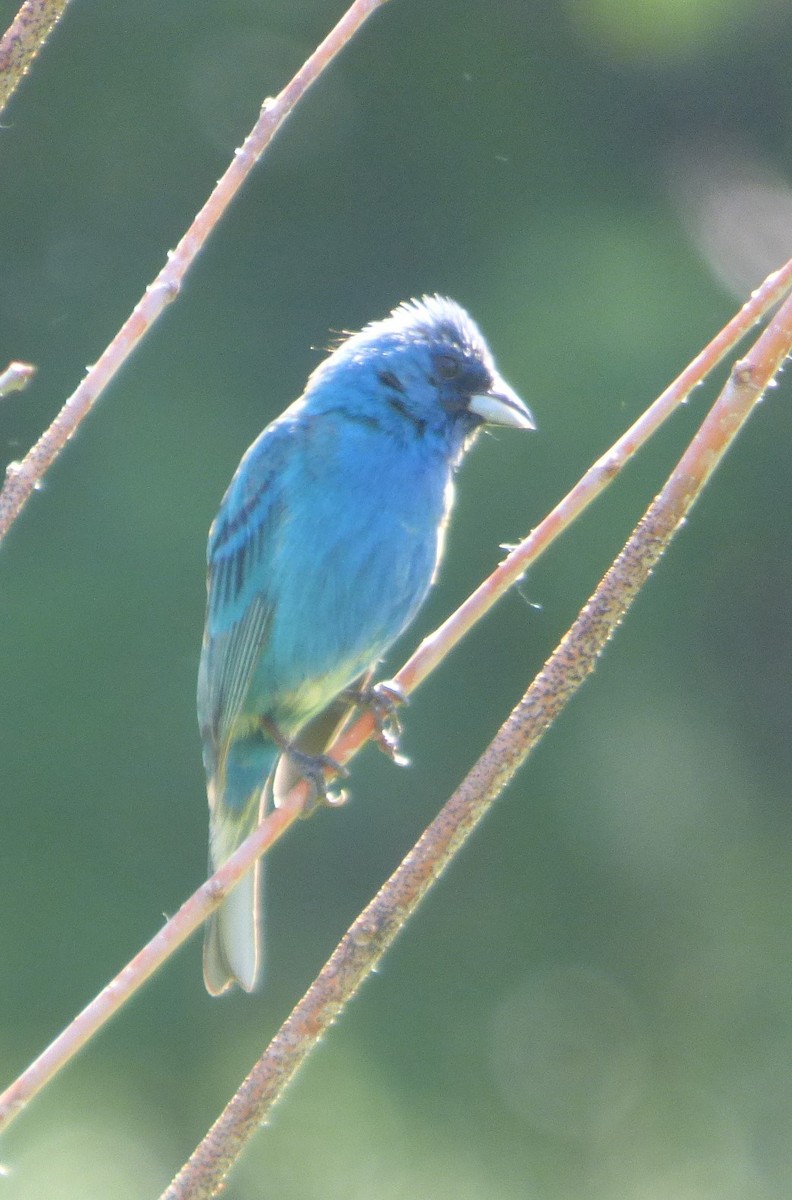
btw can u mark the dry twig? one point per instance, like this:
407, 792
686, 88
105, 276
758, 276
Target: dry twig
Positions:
23, 40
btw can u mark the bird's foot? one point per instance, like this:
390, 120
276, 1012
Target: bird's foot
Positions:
382, 701
314, 768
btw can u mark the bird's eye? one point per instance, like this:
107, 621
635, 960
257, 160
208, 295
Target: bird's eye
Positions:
447, 366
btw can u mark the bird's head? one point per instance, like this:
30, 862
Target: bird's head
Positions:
424, 369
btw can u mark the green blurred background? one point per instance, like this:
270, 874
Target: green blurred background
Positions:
597, 1000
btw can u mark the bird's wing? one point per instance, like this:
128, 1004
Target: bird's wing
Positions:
240, 586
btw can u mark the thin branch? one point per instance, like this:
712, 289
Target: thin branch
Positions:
22, 481
22, 41
570, 664
16, 376
431, 651
435, 647
130, 978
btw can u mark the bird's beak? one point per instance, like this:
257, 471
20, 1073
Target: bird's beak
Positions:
500, 405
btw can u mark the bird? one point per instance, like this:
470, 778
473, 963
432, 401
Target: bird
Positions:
324, 547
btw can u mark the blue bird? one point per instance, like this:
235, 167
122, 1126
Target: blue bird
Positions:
326, 543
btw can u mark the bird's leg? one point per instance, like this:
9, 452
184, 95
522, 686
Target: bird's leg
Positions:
312, 767
382, 701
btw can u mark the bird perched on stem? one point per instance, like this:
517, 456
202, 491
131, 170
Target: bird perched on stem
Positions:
325, 545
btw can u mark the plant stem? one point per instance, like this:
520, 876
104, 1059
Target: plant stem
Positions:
26, 475
22, 41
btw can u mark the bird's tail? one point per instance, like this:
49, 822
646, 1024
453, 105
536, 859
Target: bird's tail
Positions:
232, 941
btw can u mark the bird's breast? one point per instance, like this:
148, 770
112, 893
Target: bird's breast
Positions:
356, 555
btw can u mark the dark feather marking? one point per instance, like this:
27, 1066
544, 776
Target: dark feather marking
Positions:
370, 420
239, 576
229, 527
216, 578
229, 569
224, 582
391, 381
363, 419
401, 408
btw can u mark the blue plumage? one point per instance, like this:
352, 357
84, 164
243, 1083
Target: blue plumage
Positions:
324, 547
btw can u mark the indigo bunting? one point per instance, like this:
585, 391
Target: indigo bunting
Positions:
325, 545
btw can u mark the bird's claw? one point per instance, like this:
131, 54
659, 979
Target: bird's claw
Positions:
314, 768
382, 701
